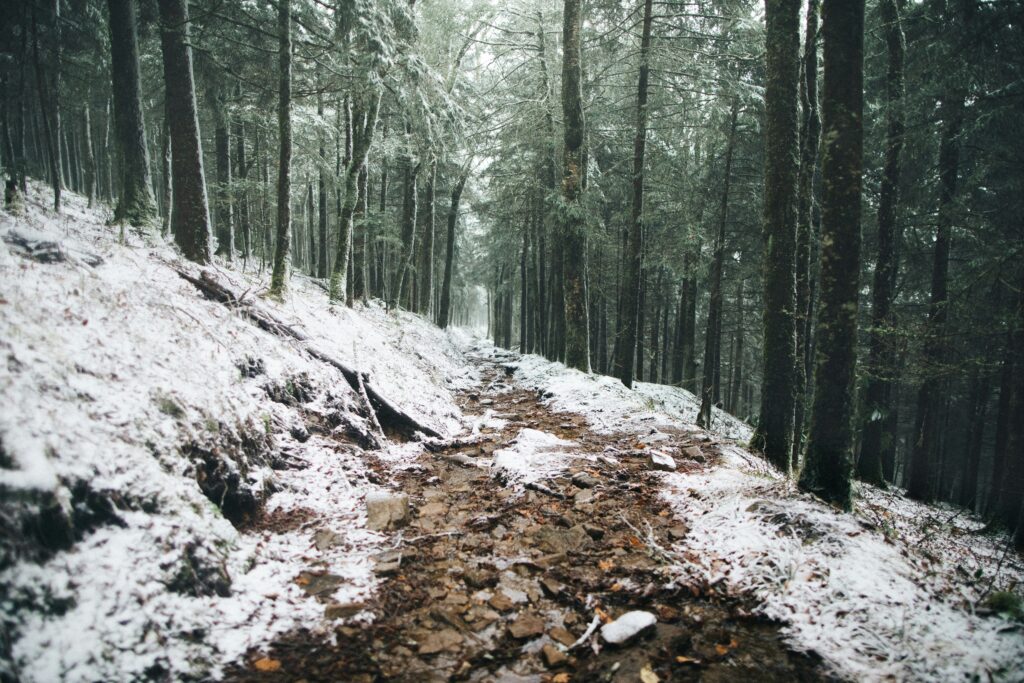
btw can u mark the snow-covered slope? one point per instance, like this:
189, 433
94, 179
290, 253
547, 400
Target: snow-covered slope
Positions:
136, 417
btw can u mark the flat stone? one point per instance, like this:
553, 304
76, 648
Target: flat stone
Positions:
678, 532
627, 627
479, 578
594, 531
440, 641
526, 625
553, 656
433, 509
661, 461
338, 610
584, 480
554, 540
561, 635
388, 562
325, 539
501, 602
319, 584
583, 497
385, 510
552, 587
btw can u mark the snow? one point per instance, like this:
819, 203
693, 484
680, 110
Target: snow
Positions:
888, 592
627, 626
531, 457
108, 373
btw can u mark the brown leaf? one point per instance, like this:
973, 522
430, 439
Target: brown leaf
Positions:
267, 664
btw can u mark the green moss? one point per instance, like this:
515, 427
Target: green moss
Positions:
1006, 603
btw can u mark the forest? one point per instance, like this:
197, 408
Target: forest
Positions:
793, 226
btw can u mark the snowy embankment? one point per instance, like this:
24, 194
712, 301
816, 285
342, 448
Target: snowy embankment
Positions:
889, 592
143, 428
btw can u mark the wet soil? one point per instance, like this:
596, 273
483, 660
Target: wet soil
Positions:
489, 582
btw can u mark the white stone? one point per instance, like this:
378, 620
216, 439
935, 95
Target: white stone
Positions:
627, 627
662, 461
385, 510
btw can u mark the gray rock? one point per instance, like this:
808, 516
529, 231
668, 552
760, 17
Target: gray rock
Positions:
386, 510
661, 461
627, 627
585, 481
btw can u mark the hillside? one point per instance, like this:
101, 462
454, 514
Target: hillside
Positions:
192, 492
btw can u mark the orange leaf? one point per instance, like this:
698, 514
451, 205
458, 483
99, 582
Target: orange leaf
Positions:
267, 664
634, 541
561, 678
605, 565
616, 587
686, 660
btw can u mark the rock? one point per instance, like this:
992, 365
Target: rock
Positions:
627, 627
551, 587
694, 453
583, 497
594, 531
325, 539
678, 532
433, 508
386, 510
584, 480
553, 656
319, 584
501, 602
479, 578
661, 461
338, 610
554, 540
526, 625
439, 641
387, 562
561, 635
667, 613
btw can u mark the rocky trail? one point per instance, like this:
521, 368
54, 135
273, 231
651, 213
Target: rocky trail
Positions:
497, 574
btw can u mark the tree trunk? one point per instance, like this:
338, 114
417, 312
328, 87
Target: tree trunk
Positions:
627, 333
89, 153
135, 203
224, 214
877, 438
244, 219
406, 250
927, 420
774, 434
50, 131
810, 129
426, 265
574, 239
713, 337
279, 277
190, 213
321, 258
737, 370
829, 462
444, 312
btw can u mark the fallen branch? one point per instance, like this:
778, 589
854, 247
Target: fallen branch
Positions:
384, 411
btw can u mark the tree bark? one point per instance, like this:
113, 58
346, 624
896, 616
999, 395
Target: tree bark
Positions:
574, 250
829, 463
713, 337
878, 442
279, 277
426, 265
444, 312
774, 434
633, 265
135, 203
403, 260
190, 213
225, 215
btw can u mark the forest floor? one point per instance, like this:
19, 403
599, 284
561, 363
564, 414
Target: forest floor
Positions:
497, 579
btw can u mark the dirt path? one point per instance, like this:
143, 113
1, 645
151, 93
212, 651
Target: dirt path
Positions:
491, 582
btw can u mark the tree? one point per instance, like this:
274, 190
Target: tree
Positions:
878, 439
135, 203
574, 237
444, 310
774, 433
279, 277
829, 460
190, 214
713, 338
635, 245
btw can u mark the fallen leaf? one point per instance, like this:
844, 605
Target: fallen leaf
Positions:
634, 541
604, 616
616, 587
686, 660
647, 675
267, 664
561, 678
663, 513
723, 650
605, 565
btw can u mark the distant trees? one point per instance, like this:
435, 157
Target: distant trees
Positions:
279, 277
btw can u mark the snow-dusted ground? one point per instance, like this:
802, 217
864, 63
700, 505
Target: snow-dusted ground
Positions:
109, 374
885, 593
